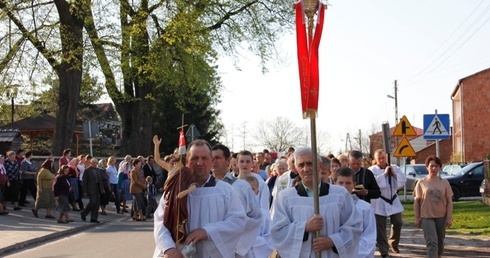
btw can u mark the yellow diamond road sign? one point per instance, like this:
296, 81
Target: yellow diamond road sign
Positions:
404, 128
404, 149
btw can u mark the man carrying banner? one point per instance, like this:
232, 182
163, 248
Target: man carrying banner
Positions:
294, 221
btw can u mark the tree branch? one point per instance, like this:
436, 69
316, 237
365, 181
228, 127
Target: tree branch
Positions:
11, 53
230, 14
39, 45
105, 65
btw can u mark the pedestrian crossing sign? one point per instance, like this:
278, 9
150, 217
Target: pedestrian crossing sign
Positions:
436, 127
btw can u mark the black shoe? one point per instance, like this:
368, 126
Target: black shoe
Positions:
75, 209
84, 217
120, 212
49, 217
4, 213
34, 212
124, 210
27, 202
394, 248
17, 208
94, 221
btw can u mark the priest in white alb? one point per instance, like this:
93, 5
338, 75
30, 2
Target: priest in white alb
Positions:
294, 223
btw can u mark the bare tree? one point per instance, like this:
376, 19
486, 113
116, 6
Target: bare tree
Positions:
282, 133
278, 135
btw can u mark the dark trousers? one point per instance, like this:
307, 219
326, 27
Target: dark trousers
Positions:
80, 195
115, 191
93, 205
27, 185
382, 240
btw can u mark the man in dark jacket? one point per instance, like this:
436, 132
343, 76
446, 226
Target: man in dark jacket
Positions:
364, 177
92, 187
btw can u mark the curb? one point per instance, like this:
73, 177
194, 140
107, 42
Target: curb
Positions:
54, 236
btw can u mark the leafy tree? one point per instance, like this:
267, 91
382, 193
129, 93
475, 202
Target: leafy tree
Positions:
164, 47
142, 48
34, 26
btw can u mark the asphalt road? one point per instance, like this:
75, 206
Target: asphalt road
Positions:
123, 238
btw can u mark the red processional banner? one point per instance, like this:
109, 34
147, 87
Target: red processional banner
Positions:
308, 58
182, 144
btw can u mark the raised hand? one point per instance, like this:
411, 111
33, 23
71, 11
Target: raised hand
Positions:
156, 141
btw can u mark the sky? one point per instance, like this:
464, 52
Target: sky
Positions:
427, 46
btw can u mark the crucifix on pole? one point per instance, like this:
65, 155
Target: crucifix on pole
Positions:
183, 125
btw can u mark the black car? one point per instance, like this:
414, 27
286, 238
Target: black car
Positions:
467, 181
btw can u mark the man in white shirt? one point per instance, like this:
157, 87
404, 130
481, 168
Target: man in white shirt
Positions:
216, 217
389, 179
294, 222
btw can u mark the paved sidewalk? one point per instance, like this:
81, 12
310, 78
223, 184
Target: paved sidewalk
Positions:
412, 244
19, 229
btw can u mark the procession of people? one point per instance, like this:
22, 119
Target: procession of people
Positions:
216, 203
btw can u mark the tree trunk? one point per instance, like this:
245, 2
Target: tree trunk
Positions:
70, 75
136, 134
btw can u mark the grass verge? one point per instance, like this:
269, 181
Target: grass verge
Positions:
469, 217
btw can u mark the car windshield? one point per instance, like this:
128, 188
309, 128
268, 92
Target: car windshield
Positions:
465, 169
420, 170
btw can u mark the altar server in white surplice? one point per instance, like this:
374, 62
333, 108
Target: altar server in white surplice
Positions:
245, 163
221, 165
294, 224
346, 177
216, 217
262, 246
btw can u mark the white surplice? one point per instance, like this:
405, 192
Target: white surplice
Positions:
380, 206
283, 182
342, 223
263, 243
253, 212
367, 245
218, 211
264, 193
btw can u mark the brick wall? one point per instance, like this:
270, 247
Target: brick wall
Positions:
476, 116
445, 151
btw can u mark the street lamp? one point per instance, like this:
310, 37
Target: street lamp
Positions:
396, 106
12, 94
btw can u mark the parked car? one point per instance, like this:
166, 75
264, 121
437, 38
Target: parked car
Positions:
413, 173
467, 181
452, 169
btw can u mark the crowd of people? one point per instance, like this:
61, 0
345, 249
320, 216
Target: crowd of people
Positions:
218, 204
78, 177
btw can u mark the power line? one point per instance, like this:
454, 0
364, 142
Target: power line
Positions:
444, 42
453, 44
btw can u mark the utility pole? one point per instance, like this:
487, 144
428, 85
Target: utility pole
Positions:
359, 137
396, 117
